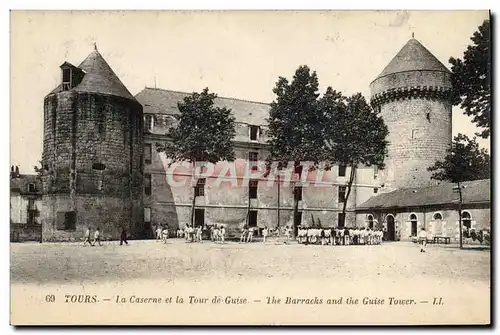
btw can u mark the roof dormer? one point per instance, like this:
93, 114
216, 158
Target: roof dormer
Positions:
71, 76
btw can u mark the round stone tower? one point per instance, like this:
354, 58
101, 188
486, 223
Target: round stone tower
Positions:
412, 96
92, 154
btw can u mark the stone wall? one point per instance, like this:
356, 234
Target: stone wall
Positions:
448, 226
20, 232
83, 133
419, 135
417, 112
226, 200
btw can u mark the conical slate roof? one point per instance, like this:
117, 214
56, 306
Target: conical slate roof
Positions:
100, 78
413, 57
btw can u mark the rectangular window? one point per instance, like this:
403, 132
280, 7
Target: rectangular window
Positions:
147, 184
66, 79
254, 133
70, 221
31, 204
341, 220
297, 193
148, 122
31, 187
342, 192
253, 158
342, 170
147, 153
147, 214
298, 170
199, 190
375, 190
375, 172
252, 219
253, 186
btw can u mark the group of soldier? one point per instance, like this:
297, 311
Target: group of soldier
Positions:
305, 235
195, 234
339, 236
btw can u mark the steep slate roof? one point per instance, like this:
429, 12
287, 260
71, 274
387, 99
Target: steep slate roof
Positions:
413, 57
160, 101
20, 183
477, 191
99, 78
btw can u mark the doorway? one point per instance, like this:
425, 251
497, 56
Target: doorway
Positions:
297, 221
199, 217
391, 228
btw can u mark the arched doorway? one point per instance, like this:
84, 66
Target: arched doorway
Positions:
438, 224
369, 219
466, 220
414, 223
391, 227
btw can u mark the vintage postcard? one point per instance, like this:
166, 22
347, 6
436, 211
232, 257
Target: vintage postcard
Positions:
250, 168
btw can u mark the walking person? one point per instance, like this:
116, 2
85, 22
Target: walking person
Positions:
264, 234
244, 232
123, 237
422, 236
222, 233
97, 237
87, 237
164, 234
199, 234
159, 233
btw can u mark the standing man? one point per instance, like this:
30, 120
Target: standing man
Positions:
123, 237
87, 237
222, 233
164, 234
264, 234
422, 236
97, 237
159, 233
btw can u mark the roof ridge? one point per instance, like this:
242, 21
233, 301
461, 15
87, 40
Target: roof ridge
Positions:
218, 96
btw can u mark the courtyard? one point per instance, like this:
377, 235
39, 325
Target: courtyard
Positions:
260, 271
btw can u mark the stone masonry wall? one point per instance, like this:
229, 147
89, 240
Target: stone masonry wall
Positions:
80, 131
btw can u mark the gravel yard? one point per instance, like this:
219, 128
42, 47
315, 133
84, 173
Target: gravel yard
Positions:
393, 282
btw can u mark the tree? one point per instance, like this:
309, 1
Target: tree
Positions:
464, 161
295, 123
204, 133
355, 135
471, 79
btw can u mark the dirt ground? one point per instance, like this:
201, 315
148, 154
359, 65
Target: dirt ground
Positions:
73, 263
256, 272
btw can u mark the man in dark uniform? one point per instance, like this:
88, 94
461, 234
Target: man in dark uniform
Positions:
123, 237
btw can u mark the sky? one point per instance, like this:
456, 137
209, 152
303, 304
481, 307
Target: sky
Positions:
234, 54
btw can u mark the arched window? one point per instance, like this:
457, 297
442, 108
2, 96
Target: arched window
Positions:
437, 216
369, 218
466, 220
414, 223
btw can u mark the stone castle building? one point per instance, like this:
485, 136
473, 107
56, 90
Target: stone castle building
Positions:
102, 167
92, 153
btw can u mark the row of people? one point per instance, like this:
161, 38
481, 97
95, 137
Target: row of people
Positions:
195, 234
338, 236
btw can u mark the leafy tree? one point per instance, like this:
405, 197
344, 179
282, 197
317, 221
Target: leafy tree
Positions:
204, 133
471, 79
295, 123
464, 161
355, 135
